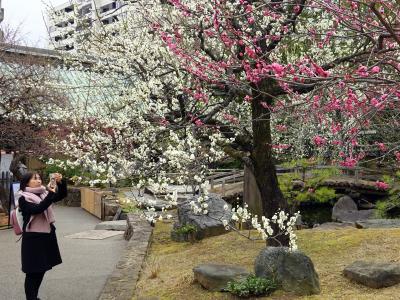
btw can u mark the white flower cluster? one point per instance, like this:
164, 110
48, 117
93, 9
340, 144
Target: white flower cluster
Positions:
280, 224
200, 206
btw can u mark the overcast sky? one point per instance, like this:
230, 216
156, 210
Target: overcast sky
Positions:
27, 15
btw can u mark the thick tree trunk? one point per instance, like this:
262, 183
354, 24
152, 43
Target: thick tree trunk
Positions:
263, 166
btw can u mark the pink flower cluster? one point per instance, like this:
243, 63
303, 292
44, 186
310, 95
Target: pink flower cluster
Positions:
382, 185
319, 141
230, 118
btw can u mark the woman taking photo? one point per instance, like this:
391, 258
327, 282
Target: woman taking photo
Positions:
39, 247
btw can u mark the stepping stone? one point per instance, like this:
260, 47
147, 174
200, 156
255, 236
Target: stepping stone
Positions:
119, 225
378, 223
214, 277
95, 234
334, 226
374, 275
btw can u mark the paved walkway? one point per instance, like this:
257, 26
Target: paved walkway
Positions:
86, 263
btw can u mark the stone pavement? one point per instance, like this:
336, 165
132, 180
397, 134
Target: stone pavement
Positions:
86, 266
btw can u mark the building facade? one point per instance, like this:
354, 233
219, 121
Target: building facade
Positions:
1, 20
91, 12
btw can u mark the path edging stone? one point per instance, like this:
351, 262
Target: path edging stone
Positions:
121, 284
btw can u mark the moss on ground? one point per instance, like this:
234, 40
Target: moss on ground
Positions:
168, 271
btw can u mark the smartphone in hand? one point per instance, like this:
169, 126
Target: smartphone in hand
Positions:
53, 183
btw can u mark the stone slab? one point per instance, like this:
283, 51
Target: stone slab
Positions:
334, 226
215, 277
374, 275
119, 225
378, 223
94, 234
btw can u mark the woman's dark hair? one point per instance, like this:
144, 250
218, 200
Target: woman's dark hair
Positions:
25, 180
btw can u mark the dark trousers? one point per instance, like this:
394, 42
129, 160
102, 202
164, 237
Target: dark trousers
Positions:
32, 284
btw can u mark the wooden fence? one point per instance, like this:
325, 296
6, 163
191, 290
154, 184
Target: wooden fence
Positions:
92, 202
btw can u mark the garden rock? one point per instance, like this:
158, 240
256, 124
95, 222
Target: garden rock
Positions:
294, 271
344, 203
374, 275
206, 225
214, 277
123, 216
345, 210
112, 225
110, 209
356, 215
378, 223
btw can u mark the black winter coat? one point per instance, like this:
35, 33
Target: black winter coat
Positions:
39, 251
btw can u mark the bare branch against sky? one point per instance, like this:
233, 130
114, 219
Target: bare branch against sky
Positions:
27, 16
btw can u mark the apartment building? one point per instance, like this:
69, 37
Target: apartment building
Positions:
93, 12
1, 20
1, 13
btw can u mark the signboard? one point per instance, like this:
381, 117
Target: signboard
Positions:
5, 162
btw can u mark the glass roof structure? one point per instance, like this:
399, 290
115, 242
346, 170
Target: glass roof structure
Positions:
82, 88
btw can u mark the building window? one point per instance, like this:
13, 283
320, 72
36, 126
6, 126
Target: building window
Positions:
109, 7
86, 10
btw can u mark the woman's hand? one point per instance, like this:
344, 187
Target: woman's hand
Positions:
51, 188
58, 177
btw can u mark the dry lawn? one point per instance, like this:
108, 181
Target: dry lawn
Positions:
168, 271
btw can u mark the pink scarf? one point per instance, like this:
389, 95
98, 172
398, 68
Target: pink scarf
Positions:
40, 222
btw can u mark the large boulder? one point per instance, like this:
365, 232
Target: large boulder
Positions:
345, 210
294, 271
344, 204
374, 275
214, 277
206, 225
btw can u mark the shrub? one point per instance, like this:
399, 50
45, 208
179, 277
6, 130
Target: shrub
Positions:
252, 286
185, 229
321, 194
128, 206
313, 191
389, 208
